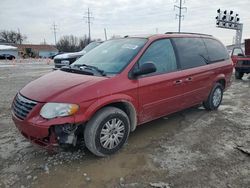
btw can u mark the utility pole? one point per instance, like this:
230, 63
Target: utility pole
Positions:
20, 38
88, 17
105, 33
54, 28
238, 36
233, 41
156, 30
180, 16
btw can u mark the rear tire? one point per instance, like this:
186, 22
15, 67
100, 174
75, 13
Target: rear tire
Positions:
107, 131
215, 97
238, 75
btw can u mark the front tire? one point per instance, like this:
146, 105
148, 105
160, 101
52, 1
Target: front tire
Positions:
215, 97
107, 131
238, 75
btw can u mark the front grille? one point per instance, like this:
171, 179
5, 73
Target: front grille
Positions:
59, 64
22, 106
246, 62
57, 60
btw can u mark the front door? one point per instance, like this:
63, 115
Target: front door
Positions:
159, 92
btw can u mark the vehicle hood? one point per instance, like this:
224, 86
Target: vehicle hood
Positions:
59, 86
243, 58
70, 55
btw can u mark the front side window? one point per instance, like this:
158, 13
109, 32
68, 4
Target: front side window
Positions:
191, 52
112, 56
216, 51
161, 54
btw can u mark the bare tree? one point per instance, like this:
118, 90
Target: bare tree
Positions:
70, 43
12, 37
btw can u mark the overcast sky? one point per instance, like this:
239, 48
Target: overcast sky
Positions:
34, 18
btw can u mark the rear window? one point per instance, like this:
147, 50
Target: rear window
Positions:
237, 51
216, 51
191, 52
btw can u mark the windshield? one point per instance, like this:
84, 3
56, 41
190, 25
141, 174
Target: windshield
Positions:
112, 56
91, 46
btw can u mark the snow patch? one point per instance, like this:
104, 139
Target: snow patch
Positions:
7, 47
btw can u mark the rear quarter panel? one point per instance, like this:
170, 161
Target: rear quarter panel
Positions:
222, 71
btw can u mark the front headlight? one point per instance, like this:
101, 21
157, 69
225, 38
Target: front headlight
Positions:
52, 110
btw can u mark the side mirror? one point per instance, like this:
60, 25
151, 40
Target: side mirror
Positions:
145, 68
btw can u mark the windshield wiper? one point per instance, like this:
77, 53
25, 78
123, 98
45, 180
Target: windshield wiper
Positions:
90, 67
78, 71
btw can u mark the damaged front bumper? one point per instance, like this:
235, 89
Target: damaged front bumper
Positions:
50, 135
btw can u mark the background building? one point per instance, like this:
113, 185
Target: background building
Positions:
36, 50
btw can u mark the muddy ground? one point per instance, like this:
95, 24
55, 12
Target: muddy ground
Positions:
192, 148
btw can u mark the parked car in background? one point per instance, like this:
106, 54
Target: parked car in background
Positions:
52, 56
7, 56
107, 93
241, 60
8, 52
68, 58
236, 53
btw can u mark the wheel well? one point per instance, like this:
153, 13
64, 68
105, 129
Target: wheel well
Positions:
222, 82
129, 109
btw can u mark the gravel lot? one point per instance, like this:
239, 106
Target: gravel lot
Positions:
192, 148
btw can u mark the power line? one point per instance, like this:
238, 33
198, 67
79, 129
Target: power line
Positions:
88, 17
54, 28
180, 7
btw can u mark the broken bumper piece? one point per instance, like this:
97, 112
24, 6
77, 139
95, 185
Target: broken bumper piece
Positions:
48, 136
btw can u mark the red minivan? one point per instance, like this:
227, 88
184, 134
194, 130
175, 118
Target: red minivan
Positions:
120, 84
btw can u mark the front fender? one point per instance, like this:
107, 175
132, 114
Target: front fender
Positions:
88, 109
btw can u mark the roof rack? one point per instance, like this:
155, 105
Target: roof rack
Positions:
187, 33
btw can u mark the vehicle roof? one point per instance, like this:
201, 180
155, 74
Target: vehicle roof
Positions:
169, 34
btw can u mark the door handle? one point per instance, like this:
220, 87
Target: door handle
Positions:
177, 82
189, 79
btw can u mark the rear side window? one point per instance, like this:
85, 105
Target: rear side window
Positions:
161, 54
216, 51
191, 52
